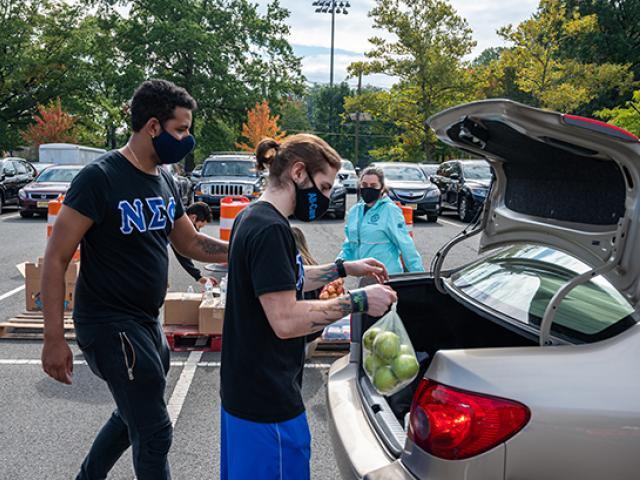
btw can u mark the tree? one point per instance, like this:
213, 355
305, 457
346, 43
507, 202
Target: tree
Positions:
52, 125
627, 116
260, 124
541, 70
42, 57
430, 42
294, 116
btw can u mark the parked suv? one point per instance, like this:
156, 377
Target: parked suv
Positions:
15, 173
464, 185
228, 175
529, 355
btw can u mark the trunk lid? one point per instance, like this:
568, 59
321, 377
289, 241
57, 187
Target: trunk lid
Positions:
563, 181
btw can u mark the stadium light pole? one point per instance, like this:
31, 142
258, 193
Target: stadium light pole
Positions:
332, 7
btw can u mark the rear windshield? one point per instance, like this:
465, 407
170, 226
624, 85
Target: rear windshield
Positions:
520, 281
477, 172
404, 174
231, 168
347, 165
63, 175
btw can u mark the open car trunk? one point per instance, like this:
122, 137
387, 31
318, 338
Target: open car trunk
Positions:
434, 322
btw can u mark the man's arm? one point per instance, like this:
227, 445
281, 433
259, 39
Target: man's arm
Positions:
192, 244
318, 276
290, 318
188, 265
70, 227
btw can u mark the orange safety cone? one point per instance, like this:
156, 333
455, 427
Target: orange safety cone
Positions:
407, 213
52, 213
230, 207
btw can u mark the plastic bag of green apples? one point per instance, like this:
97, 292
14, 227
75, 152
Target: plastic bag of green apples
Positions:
389, 359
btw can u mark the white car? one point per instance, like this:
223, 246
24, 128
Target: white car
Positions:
348, 176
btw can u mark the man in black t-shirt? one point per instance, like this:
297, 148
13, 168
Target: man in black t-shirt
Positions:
264, 430
123, 209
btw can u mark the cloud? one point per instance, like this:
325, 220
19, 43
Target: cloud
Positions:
311, 32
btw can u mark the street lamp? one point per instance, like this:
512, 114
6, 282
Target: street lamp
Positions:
332, 7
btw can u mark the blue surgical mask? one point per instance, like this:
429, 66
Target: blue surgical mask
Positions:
171, 150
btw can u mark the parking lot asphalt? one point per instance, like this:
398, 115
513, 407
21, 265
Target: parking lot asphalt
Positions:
46, 428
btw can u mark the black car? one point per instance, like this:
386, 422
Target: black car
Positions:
228, 175
338, 204
464, 185
15, 173
406, 183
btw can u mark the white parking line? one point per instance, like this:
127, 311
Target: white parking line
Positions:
12, 292
8, 217
175, 363
181, 389
448, 222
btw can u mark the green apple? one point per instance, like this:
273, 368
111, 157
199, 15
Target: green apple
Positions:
387, 345
369, 337
405, 349
372, 363
384, 380
405, 367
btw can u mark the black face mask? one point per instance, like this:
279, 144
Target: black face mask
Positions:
370, 195
311, 204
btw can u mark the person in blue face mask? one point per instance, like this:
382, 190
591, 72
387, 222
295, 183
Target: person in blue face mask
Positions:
376, 228
264, 430
125, 210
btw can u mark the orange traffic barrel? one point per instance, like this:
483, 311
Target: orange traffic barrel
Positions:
52, 213
407, 213
230, 207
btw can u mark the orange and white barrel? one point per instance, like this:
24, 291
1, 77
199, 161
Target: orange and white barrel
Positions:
407, 213
52, 213
230, 207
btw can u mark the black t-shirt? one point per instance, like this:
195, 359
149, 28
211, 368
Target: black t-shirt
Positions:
124, 256
261, 374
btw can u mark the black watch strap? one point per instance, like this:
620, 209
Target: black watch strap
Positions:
340, 265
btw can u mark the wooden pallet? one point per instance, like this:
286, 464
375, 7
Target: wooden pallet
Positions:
30, 326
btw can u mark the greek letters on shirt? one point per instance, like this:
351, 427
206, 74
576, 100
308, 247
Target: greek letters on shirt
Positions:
132, 215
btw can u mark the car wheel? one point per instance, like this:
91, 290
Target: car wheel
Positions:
432, 218
464, 210
24, 214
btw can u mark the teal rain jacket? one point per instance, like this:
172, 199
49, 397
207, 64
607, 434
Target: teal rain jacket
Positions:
381, 234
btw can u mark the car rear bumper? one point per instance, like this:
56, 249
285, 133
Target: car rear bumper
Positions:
359, 453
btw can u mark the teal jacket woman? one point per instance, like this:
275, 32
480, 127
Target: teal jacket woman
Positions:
376, 228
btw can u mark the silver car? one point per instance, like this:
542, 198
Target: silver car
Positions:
529, 356
348, 176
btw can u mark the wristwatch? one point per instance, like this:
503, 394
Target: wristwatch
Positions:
340, 265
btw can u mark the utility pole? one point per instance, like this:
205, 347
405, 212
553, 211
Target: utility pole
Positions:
357, 140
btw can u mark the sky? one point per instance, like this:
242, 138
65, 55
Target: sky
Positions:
311, 33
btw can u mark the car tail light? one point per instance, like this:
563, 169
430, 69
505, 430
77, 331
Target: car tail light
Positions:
454, 424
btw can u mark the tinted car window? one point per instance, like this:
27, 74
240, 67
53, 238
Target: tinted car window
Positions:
406, 174
63, 175
520, 281
7, 167
21, 168
229, 169
477, 172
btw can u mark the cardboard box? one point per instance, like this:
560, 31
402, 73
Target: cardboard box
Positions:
32, 282
181, 308
211, 317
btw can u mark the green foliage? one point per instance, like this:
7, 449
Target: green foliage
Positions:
430, 41
627, 116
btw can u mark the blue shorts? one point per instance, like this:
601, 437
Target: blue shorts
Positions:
264, 451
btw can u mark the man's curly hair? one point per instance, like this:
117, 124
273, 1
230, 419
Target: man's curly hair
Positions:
158, 99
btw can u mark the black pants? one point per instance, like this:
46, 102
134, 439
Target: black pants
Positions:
133, 359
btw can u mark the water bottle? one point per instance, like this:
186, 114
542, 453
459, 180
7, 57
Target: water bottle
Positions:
223, 291
208, 291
